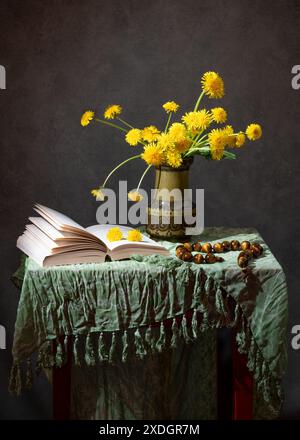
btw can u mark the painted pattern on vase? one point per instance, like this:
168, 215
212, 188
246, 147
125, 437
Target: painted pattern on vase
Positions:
167, 215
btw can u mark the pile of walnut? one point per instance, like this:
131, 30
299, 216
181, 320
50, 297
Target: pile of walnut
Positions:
248, 251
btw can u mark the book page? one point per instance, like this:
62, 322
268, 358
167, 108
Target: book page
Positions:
38, 253
40, 235
48, 229
64, 224
101, 231
80, 257
32, 248
55, 218
79, 246
61, 237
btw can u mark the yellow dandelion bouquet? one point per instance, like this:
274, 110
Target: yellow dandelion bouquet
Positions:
199, 132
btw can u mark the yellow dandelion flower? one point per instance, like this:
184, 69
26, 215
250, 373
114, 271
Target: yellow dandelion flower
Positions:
194, 132
150, 134
134, 235
177, 132
183, 145
171, 107
114, 234
230, 137
98, 194
199, 120
174, 159
219, 115
165, 142
254, 132
135, 196
217, 140
240, 139
228, 130
153, 155
212, 85
112, 111
133, 136
216, 153
87, 117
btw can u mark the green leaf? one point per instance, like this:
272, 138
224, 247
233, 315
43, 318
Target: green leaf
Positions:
198, 151
228, 155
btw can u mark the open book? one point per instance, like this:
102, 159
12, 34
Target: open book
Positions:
54, 239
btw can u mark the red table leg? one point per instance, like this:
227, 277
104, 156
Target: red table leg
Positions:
61, 383
242, 385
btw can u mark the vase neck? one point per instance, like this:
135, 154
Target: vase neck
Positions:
171, 179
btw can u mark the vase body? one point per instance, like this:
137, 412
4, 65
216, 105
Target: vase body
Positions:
169, 210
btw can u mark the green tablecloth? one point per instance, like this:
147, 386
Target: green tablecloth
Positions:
111, 307
178, 384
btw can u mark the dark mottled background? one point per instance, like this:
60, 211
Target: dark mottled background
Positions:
63, 57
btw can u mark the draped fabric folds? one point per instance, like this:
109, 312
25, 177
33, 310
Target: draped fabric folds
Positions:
110, 309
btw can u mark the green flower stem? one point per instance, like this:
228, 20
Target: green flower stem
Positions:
125, 123
229, 155
197, 145
143, 175
142, 143
198, 102
119, 166
168, 122
195, 138
198, 138
111, 125
204, 148
202, 144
